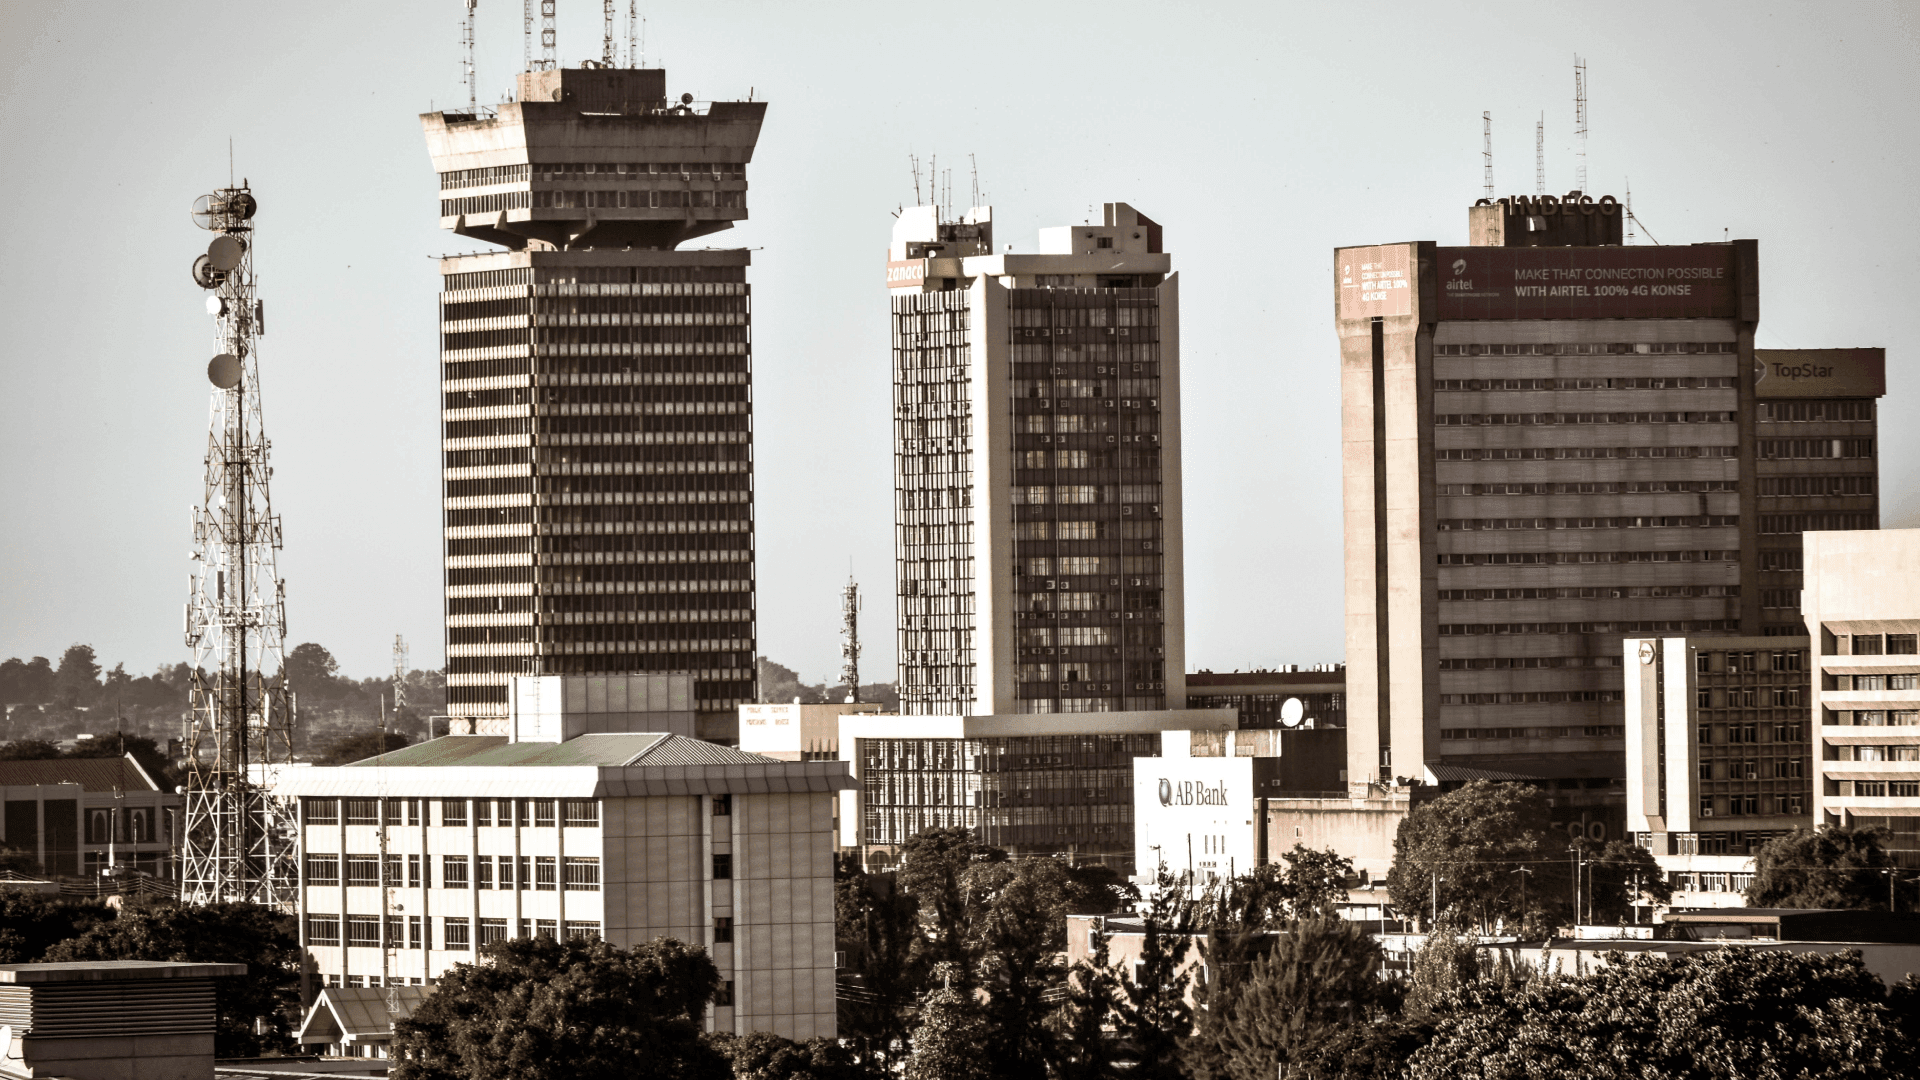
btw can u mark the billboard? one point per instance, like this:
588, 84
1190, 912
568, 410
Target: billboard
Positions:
1819, 373
1193, 814
906, 273
1695, 282
1375, 281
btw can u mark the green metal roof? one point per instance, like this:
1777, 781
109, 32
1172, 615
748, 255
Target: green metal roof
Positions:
614, 749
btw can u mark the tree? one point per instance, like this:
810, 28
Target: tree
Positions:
948, 1043
1465, 846
1320, 975
1016, 925
77, 681
112, 744
312, 672
1152, 1014
32, 923
267, 942
1445, 963
1829, 867
29, 750
29, 683
1081, 1049
1717, 1015
762, 1055
540, 1009
932, 864
1618, 873
352, 748
876, 924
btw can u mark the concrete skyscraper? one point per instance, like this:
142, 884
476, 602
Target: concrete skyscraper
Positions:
1036, 467
597, 412
1552, 442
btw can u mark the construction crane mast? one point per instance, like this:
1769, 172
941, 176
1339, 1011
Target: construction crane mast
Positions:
238, 841
1579, 123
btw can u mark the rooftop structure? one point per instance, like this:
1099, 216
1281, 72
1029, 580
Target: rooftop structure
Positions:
110, 1019
597, 412
84, 815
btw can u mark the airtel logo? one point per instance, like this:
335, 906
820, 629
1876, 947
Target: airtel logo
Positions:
1459, 267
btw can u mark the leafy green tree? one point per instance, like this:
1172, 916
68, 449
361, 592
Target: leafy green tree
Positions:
1618, 873
267, 942
762, 1055
540, 1009
352, 748
29, 750
932, 866
948, 1042
1321, 975
1466, 846
1445, 963
313, 673
1829, 867
1376, 1050
876, 924
1081, 1048
1718, 1015
26, 682
1151, 1014
32, 923
112, 744
1102, 889
1016, 926
77, 681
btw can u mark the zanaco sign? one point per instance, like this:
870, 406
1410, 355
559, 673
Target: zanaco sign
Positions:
1697, 282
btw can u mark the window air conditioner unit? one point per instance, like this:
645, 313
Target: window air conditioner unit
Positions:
1706, 811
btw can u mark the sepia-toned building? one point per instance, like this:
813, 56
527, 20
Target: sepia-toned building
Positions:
596, 378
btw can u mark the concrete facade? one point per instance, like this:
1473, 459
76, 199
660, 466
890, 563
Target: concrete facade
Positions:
596, 384
627, 836
1861, 602
1037, 468
798, 731
110, 1020
77, 816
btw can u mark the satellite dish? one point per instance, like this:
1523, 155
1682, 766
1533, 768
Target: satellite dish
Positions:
225, 252
203, 211
223, 371
204, 275
242, 206
216, 306
1291, 711
686, 99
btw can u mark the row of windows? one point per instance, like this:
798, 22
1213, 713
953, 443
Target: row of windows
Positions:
606, 200
538, 872
1607, 349
1530, 697
1873, 718
502, 812
1810, 411
1875, 789
1712, 663
1632, 487
1503, 663
488, 279
1078, 494
1871, 682
1582, 453
1878, 644
1535, 419
1622, 592
495, 174
625, 170
1067, 312
1722, 382
1873, 753
1815, 486
1654, 626
484, 204
457, 932
1589, 731
1795, 449
1775, 524
1749, 732
1564, 558
1749, 806
1700, 521
1750, 697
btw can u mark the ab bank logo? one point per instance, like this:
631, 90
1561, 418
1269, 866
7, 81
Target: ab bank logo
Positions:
1166, 792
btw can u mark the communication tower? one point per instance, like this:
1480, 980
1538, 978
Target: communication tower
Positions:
239, 840
850, 639
1540, 157
1486, 152
466, 60
399, 675
1580, 123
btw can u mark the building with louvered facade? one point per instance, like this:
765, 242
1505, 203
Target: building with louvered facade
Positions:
596, 380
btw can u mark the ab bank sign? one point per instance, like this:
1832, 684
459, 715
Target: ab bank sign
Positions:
1193, 814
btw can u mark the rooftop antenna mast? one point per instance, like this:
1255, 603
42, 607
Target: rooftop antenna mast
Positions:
400, 657
976, 179
1540, 156
1580, 123
526, 35
239, 841
914, 160
1628, 207
547, 39
1486, 152
850, 639
633, 33
466, 49
607, 56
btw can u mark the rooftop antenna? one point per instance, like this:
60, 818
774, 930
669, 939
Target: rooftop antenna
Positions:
1486, 152
526, 35
850, 639
933, 182
1580, 123
606, 33
1628, 207
547, 41
400, 658
1540, 156
976, 179
466, 60
633, 33
915, 162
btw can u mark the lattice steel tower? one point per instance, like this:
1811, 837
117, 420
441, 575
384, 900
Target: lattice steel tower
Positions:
239, 841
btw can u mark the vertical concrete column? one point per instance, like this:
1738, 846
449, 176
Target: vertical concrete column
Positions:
703, 808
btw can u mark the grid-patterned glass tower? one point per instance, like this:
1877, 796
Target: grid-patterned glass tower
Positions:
597, 390
1037, 468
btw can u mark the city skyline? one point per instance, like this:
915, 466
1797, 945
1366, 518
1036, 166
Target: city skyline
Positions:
110, 416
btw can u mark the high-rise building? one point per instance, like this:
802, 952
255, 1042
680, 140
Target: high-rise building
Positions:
597, 412
1036, 468
1719, 758
1861, 602
1551, 442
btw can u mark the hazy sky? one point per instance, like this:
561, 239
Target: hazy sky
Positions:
1261, 135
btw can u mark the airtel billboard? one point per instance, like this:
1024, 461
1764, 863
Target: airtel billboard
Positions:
1695, 282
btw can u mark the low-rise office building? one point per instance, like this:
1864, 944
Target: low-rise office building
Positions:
797, 732
1718, 755
413, 860
1861, 602
1260, 697
83, 815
